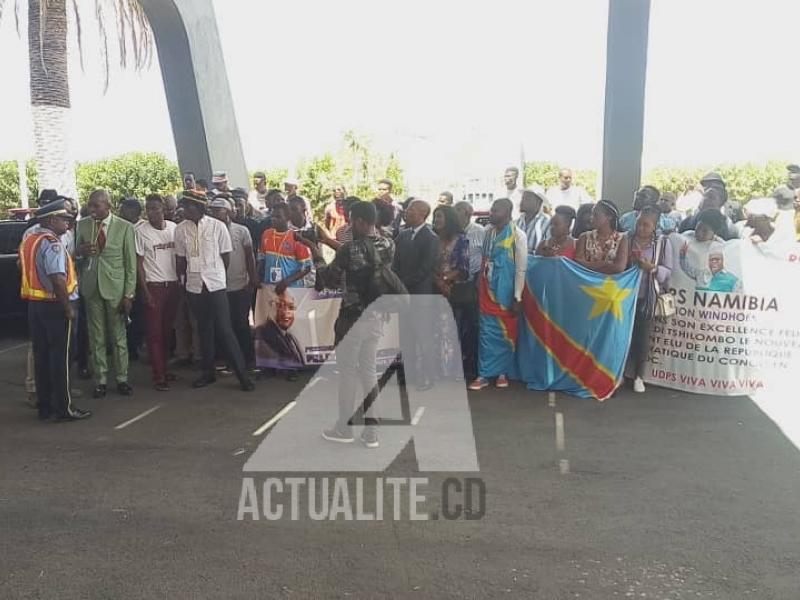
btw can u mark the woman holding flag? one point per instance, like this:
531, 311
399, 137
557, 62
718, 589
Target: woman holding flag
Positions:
500, 284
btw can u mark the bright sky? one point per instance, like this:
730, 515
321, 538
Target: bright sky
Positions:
454, 87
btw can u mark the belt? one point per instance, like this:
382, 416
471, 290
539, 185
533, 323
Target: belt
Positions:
162, 283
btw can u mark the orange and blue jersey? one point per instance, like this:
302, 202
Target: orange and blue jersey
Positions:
283, 256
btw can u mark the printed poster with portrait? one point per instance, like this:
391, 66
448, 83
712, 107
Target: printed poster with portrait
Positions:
295, 330
737, 327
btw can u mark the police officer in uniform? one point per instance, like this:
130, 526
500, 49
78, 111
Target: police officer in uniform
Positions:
50, 285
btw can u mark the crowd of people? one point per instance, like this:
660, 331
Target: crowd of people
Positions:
179, 276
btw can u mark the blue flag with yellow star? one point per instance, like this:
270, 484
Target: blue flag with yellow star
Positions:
576, 327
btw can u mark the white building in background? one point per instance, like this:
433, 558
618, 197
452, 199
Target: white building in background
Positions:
469, 164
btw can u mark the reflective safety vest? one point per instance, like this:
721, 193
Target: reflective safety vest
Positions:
31, 287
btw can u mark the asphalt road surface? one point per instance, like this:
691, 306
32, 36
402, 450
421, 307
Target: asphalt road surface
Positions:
663, 495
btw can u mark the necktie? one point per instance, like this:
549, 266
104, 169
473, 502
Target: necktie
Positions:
101, 237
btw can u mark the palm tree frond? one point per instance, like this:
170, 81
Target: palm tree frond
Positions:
42, 28
78, 31
101, 25
16, 13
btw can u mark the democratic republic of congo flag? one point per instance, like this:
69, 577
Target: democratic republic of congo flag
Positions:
498, 322
576, 327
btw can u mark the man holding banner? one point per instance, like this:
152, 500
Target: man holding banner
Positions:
500, 285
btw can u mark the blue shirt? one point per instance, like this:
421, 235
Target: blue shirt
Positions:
627, 222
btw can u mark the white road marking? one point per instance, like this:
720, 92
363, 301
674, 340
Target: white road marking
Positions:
563, 466
138, 418
281, 413
560, 431
418, 415
17, 347
551, 399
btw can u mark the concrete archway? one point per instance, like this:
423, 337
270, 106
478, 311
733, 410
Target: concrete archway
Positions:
197, 89
204, 122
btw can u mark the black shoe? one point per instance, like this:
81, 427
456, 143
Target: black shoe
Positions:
84, 373
100, 391
124, 388
247, 385
44, 415
203, 381
369, 437
337, 435
75, 414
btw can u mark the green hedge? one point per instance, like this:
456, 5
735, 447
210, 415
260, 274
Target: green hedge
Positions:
134, 174
139, 174
9, 184
745, 181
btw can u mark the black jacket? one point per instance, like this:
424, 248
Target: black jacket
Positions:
415, 259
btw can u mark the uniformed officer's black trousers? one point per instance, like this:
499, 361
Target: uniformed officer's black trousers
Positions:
50, 334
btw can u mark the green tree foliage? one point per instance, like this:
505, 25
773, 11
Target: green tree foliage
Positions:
545, 174
9, 184
744, 181
134, 174
356, 164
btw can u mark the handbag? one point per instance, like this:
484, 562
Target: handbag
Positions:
665, 301
464, 293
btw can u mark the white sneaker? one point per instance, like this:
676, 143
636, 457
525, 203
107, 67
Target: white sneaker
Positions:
638, 385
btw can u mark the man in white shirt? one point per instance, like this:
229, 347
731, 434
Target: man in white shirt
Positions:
511, 190
241, 277
158, 284
566, 194
203, 248
258, 195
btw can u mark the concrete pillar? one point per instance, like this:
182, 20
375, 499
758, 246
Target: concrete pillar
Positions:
626, 67
197, 89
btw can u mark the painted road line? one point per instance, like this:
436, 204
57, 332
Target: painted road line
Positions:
138, 418
560, 431
418, 415
551, 399
17, 347
281, 413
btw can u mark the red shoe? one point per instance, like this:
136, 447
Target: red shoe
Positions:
478, 384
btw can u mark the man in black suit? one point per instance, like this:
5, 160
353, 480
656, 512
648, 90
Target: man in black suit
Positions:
279, 345
415, 262
417, 250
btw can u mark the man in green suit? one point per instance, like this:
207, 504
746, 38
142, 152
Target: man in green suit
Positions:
106, 247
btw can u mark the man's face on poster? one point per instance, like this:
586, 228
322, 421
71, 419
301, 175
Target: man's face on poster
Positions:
716, 263
284, 311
